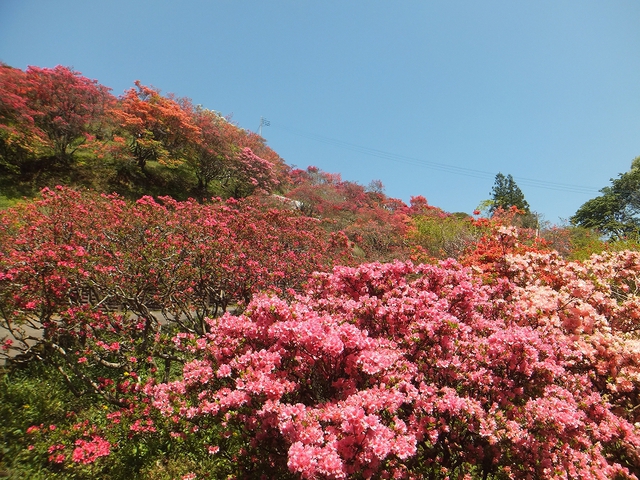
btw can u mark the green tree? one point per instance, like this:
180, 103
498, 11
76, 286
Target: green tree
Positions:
442, 235
506, 194
615, 213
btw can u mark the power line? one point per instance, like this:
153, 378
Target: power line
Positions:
469, 172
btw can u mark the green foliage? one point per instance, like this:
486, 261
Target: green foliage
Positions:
35, 395
580, 243
29, 395
615, 213
584, 243
7, 202
443, 236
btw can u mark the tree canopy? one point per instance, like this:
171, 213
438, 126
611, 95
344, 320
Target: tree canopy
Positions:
506, 194
615, 213
59, 127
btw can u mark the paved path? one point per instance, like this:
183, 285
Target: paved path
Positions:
30, 331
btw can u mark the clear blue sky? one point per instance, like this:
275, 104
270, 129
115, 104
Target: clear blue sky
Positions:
432, 98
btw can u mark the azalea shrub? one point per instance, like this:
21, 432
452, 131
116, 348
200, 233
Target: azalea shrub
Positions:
374, 223
421, 371
59, 127
511, 363
96, 285
414, 371
52, 113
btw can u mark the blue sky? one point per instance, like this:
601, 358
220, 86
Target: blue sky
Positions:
432, 98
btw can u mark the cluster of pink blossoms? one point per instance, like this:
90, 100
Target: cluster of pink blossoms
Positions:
88, 451
408, 371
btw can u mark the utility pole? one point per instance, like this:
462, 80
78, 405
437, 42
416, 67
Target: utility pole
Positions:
263, 122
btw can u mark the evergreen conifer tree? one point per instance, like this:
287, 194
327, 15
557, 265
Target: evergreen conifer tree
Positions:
506, 194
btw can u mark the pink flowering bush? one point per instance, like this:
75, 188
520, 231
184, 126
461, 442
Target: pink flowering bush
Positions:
404, 371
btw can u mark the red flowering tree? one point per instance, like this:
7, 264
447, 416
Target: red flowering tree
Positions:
67, 107
223, 157
497, 238
375, 223
19, 136
161, 128
50, 110
214, 152
248, 174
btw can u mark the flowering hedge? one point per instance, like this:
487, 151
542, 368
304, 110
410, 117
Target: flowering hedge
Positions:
515, 364
90, 282
405, 371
